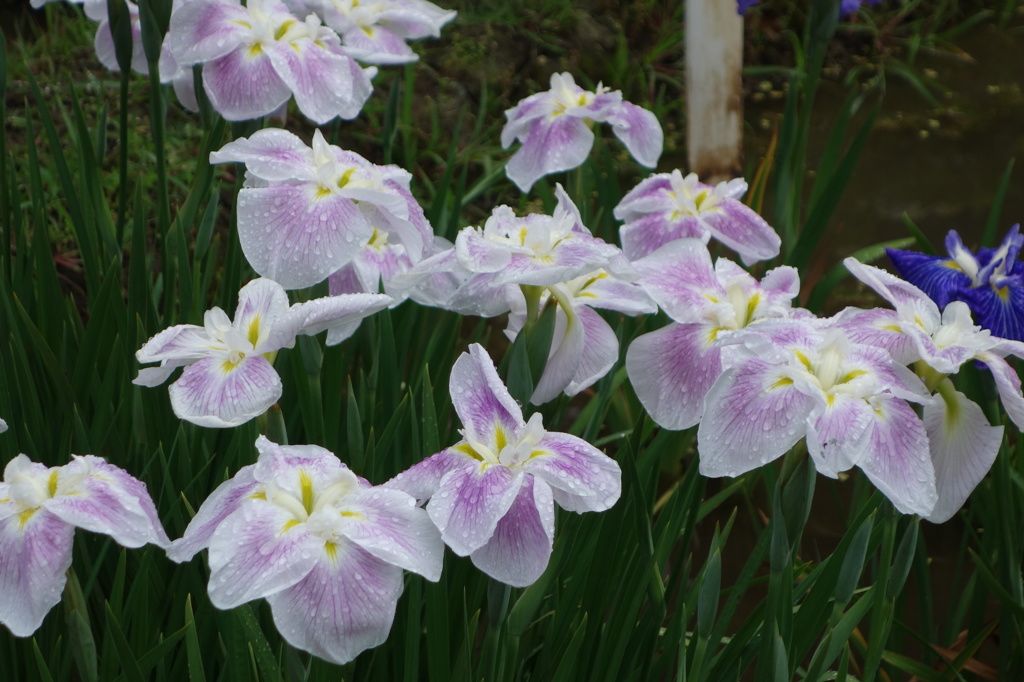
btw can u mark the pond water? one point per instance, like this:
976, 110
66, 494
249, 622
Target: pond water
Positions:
941, 166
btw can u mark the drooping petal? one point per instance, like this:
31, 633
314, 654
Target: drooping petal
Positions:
582, 477
243, 85
95, 495
742, 230
377, 45
897, 460
753, 414
520, 548
423, 480
335, 311
220, 504
388, 524
204, 30
671, 370
879, 327
480, 398
1008, 384
258, 551
476, 253
567, 347
963, 447
470, 502
326, 83
650, 232
298, 235
217, 393
551, 145
600, 350
681, 279
838, 437
639, 130
345, 604
35, 553
180, 342
273, 154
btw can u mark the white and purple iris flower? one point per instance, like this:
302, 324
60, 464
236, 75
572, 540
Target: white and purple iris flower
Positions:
375, 31
991, 283
667, 206
963, 443
256, 57
849, 401
492, 494
555, 129
674, 367
229, 377
40, 508
583, 346
306, 212
323, 546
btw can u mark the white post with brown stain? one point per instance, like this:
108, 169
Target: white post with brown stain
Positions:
714, 90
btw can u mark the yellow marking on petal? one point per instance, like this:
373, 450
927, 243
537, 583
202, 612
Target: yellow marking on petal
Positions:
24, 516
892, 328
257, 496
830, 399
699, 199
353, 515
751, 307
282, 29
5, 500
322, 192
851, 375
346, 177
51, 483
522, 236
713, 334
538, 453
255, 50
467, 449
239, 22
306, 486
368, 30
254, 330
332, 551
782, 381
713, 299
804, 360
289, 525
952, 265
500, 439
1003, 293
917, 321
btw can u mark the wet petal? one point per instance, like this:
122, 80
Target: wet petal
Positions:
388, 524
600, 350
753, 414
567, 347
180, 342
897, 460
272, 154
326, 83
423, 480
940, 278
837, 439
639, 130
681, 279
215, 393
480, 398
742, 230
258, 551
344, 605
35, 553
520, 548
243, 85
470, 502
963, 447
98, 496
220, 504
671, 370
549, 146
298, 235
583, 477
204, 30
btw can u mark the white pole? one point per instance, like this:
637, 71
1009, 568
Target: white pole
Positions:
714, 90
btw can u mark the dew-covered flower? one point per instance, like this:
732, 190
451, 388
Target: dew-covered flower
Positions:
673, 368
323, 546
492, 494
848, 400
667, 206
375, 31
255, 57
40, 508
963, 443
536, 249
555, 129
306, 212
991, 283
583, 346
229, 376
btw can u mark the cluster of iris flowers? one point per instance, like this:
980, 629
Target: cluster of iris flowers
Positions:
755, 374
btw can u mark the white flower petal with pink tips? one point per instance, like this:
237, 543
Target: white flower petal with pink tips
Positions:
39, 510
323, 546
492, 494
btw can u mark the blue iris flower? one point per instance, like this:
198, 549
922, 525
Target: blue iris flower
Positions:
991, 283
846, 6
